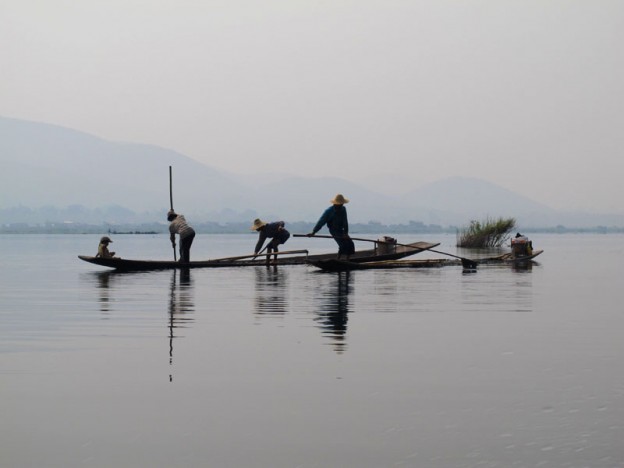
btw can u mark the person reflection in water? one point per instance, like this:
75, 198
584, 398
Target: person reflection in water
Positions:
334, 310
181, 307
271, 292
104, 285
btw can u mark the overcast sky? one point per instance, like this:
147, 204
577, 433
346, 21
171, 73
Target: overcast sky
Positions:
526, 94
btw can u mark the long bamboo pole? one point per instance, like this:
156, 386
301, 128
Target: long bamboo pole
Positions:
466, 262
252, 256
175, 256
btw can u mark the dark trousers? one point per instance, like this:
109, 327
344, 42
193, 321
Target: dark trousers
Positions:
345, 245
279, 238
185, 247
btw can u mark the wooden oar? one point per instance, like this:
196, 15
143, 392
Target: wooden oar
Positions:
260, 253
466, 262
263, 249
322, 236
226, 259
175, 257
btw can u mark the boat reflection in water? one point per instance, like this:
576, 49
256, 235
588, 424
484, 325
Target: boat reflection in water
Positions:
523, 266
181, 306
271, 291
334, 309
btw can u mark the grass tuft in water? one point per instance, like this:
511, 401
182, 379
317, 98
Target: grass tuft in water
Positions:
488, 233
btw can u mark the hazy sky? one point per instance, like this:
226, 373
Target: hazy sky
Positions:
526, 94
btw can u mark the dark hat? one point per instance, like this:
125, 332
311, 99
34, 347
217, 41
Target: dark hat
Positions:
105, 240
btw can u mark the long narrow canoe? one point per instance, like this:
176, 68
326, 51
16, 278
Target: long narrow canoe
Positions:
333, 264
360, 256
511, 258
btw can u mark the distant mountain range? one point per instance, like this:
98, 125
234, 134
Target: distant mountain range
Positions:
45, 168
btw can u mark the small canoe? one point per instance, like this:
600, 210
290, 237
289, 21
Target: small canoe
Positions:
343, 265
334, 264
125, 264
510, 258
295, 257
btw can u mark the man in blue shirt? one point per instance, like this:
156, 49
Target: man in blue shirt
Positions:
336, 219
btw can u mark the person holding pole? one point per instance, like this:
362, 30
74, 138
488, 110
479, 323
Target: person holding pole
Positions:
178, 225
274, 231
336, 219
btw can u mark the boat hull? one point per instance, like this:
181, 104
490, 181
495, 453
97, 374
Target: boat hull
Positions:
511, 258
361, 256
342, 265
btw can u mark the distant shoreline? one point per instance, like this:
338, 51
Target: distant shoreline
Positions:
297, 227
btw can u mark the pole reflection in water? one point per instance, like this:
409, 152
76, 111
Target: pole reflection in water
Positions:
485, 290
271, 291
180, 305
334, 309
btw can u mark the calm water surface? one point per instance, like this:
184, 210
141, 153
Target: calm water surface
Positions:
291, 367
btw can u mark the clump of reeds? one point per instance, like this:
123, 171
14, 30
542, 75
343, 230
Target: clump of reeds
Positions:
489, 233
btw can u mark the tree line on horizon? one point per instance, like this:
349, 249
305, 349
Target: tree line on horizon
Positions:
80, 219
372, 227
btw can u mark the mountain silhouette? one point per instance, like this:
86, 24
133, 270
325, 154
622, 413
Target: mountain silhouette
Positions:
48, 165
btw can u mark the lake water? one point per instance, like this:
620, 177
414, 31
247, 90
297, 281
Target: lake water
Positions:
256, 367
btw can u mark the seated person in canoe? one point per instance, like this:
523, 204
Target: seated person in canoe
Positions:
103, 251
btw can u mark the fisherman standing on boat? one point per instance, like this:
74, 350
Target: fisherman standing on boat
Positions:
274, 231
187, 234
103, 248
336, 219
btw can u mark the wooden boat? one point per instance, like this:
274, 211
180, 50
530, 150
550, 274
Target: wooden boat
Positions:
334, 264
294, 257
511, 258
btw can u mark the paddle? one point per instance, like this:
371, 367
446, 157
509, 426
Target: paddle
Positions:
260, 253
175, 257
466, 262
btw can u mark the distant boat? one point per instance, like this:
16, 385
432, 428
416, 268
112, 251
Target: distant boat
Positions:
294, 257
132, 232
